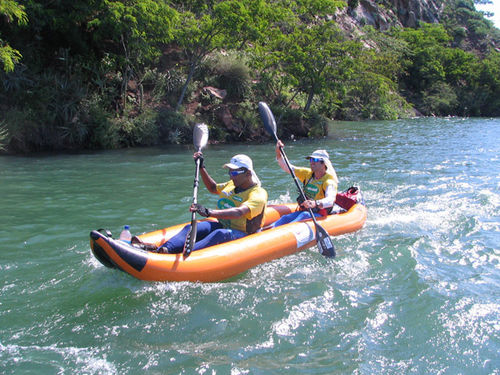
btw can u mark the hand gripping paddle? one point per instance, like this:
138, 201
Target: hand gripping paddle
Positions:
323, 240
200, 139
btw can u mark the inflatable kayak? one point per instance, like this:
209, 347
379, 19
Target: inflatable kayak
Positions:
228, 259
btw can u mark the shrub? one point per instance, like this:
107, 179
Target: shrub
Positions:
141, 130
164, 84
318, 124
440, 99
44, 109
468, 4
145, 128
352, 4
22, 132
101, 132
373, 96
233, 75
248, 120
291, 122
4, 136
173, 127
479, 27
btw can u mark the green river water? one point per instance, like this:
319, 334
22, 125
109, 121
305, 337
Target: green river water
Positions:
416, 291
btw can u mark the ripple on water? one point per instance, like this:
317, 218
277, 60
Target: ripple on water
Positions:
53, 359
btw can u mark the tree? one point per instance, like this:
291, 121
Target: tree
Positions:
387, 54
12, 12
371, 92
304, 51
488, 84
425, 58
225, 24
317, 58
485, 2
137, 29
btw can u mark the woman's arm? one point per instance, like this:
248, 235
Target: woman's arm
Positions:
329, 199
279, 157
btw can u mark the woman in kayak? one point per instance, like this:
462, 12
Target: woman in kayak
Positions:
240, 208
320, 185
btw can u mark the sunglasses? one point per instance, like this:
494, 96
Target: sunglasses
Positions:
236, 172
316, 160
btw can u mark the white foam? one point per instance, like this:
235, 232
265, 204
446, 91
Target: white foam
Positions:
88, 361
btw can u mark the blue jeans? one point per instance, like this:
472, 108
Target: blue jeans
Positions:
294, 216
208, 233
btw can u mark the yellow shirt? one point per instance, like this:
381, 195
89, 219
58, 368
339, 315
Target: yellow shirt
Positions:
255, 198
314, 189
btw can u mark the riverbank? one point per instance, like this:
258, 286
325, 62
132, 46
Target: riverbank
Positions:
98, 87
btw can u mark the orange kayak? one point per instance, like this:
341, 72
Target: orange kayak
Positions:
228, 259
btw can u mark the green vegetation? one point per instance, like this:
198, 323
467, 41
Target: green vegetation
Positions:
12, 12
114, 73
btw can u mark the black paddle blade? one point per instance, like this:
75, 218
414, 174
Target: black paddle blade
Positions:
190, 239
324, 242
268, 118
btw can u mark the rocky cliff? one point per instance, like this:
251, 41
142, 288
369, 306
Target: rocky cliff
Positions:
468, 28
385, 14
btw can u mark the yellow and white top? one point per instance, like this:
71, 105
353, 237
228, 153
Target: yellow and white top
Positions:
255, 198
316, 189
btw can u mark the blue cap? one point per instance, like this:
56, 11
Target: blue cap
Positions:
126, 227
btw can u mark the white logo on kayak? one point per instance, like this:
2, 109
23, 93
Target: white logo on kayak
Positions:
303, 234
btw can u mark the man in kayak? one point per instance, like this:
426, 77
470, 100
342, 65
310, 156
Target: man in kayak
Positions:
320, 185
240, 208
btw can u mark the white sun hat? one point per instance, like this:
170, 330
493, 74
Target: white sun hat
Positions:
239, 161
323, 155
242, 161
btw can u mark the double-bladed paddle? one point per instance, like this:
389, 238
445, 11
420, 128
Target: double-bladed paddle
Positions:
200, 139
323, 240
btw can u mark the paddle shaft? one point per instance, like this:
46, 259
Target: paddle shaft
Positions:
195, 186
325, 245
191, 237
270, 126
297, 183
200, 136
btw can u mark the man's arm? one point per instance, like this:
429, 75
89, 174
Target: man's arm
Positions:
227, 213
